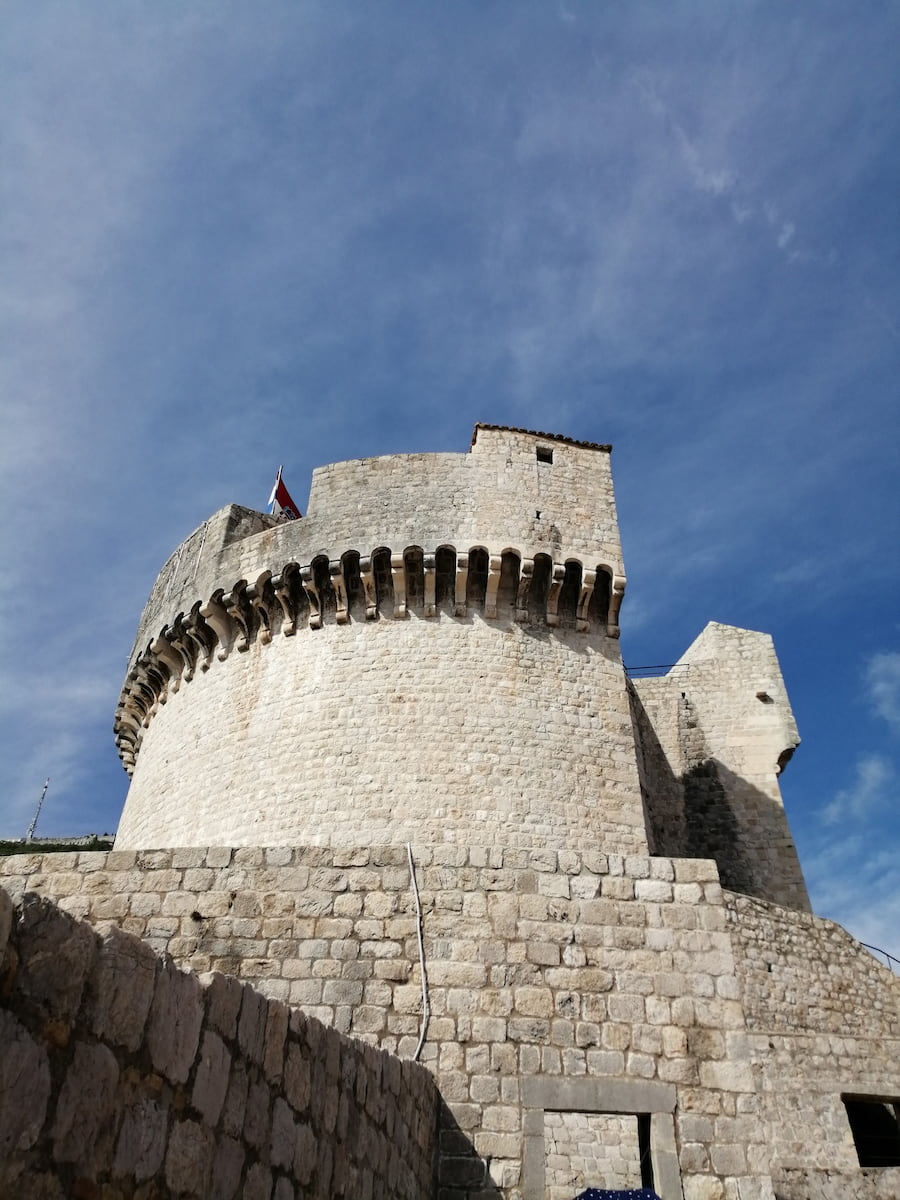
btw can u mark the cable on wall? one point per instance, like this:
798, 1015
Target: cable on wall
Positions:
426, 1007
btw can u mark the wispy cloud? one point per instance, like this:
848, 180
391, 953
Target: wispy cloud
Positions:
866, 794
883, 682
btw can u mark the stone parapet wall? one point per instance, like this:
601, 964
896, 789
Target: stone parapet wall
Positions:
587, 969
823, 1020
122, 1076
497, 496
559, 983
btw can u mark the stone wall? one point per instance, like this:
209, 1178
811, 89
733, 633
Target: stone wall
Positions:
122, 1076
823, 1021
559, 983
489, 497
714, 734
585, 970
395, 731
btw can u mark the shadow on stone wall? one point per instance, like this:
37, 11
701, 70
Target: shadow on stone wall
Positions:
461, 1172
710, 812
121, 1075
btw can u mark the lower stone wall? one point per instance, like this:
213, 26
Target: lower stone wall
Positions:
122, 1076
559, 983
823, 1021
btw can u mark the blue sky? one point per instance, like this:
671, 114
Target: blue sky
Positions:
233, 236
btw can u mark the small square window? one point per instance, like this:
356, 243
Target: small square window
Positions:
875, 1128
544, 454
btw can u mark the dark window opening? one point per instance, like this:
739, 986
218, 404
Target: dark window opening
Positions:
322, 580
414, 562
643, 1122
544, 454
476, 583
508, 587
540, 585
384, 581
876, 1132
598, 609
356, 599
569, 595
445, 577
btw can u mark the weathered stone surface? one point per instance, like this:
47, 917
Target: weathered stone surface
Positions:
56, 953
211, 1079
173, 1030
142, 1141
120, 988
86, 1102
24, 1086
189, 1159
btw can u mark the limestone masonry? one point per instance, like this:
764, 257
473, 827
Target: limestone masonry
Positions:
392, 785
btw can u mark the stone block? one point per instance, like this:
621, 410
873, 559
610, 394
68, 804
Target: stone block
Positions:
189, 1159
251, 1032
120, 989
86, 1102
276, 1034
173, 1028
56, 954
228, 1164
211, 1078
141, 1143
24, 1087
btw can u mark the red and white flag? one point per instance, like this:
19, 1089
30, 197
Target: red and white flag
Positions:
281, 503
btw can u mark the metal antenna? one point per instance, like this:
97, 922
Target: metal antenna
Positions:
30, 834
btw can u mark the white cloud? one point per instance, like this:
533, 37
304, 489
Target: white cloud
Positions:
883, 680
867, 792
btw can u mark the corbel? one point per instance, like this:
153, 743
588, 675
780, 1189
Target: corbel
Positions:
184, 646
367, 575
428, 565
556, 582
237, 604
526, 574
493, 583
220, 623
339, 583
312, 593
616, 594
262, 604
398, 578
201, 635
462, 579
281, 585
169, 658
588, 579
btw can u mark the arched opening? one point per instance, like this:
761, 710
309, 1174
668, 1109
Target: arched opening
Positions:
414, 570
540, 583
356, 596
570, 594
322, 579
476, 583
444, 578
508, 587
598, 609
384, 583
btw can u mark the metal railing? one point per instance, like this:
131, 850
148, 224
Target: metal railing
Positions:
891, 961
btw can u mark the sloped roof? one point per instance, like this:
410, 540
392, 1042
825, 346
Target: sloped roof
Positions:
550, 437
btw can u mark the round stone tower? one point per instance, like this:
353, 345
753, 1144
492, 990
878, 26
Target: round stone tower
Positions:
430, 654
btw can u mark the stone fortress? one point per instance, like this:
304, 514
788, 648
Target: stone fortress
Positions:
394, 797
